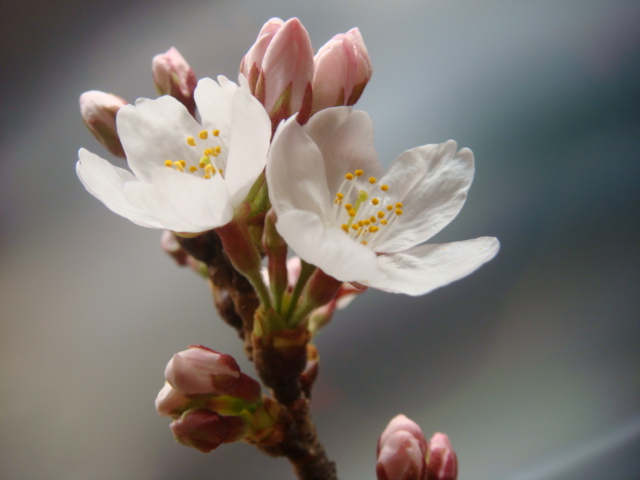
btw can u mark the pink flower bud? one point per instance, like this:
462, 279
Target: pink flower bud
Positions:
401, 423
400, 457
169, 401
251, 64
173, 76
199, 370
342, 70
279, 67
442, 463
206, 430
99, 110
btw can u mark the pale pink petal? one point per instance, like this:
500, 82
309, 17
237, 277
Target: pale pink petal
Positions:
345, 138
106, 183
330, 249
296, 173
249, 143
421, 269
153, 131
432, 183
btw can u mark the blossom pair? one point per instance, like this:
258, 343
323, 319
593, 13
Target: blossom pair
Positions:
334, 206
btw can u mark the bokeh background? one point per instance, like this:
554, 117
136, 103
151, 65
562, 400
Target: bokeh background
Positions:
531, 365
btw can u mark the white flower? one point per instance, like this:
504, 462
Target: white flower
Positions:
337, 212
187, 176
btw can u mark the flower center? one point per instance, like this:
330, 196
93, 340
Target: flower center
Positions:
207, 159
365, 214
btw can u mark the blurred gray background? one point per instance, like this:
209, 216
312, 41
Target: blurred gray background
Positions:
531, 365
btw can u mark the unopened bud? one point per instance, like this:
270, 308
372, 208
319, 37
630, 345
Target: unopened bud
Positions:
401, 458
342, 70
206, 430
279, 67
173, 76
442, 463
402, 423
99, 110
200, 370
170, 402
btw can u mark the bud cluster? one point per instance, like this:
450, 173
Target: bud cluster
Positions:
209, 399
405, 454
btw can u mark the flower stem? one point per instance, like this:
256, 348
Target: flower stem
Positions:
305, 273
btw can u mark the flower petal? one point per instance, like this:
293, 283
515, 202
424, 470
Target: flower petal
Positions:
296, 173
182, 202
328, 248
424, 268
345, 138
214, 105
153, 131
432, 183
249, 143
106, 183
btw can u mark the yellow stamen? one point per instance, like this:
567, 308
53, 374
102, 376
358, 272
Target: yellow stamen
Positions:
183, 163
210, 170
381, 214
348, 207
384, 188
191, 141
383, 222
364, 242
345, 227
389, 208
339, 196
168, 163
372, 180
399, 205
358, 173
215, 132
349, 176
373, 219
351, 213
375, 201
218, 149
203, 134
355, 226
204, 161
193, 168
398, 211
178, 166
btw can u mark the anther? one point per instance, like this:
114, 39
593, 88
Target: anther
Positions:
358, 173
389, 208
179, 166
203, 134
383, 222
381, 214
345, 227
372, 180
349, 176
364, 242
218, 149
168, 163
215, 132
384, 188
398, 211
375, 201
351, 213
348, 207
399, 205
339, 196
183, 163
193, 168
191, 141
